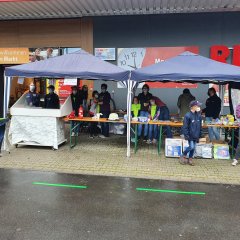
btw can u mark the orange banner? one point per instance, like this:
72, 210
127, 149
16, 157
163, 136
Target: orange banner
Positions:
14, 55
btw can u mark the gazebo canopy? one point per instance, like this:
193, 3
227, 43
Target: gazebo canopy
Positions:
188, 67
79, 64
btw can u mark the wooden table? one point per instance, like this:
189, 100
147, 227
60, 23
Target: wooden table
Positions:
180, 124
161, 124
86, 119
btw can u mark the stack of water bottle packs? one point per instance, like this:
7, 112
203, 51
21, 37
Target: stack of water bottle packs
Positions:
174, 147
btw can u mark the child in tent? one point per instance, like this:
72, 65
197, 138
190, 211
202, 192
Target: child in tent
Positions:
94, 109
135, 110
154, 112
136, 107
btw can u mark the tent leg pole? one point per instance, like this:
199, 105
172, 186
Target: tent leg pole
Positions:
129, 118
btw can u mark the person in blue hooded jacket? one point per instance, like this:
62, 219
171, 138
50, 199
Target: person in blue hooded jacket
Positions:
192, 130
32, 97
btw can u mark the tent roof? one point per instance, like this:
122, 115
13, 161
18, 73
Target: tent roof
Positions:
78, 64
188, 67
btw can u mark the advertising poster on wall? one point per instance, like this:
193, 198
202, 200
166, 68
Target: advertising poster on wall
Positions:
62, 90
38, 54
14, 55
106, 54
134, 58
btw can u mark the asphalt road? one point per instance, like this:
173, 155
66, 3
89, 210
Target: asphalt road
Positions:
111, 208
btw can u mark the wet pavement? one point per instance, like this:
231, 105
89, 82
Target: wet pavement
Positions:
107, 157
111, 208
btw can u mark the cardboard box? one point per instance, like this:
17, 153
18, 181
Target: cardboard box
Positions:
203, 140
218, 142
221, 151
202, 150
173, 147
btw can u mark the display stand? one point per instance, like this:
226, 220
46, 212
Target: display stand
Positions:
37, 126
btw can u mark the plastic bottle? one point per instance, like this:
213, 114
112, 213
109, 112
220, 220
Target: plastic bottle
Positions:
80, 112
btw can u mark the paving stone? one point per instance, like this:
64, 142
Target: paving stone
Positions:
108, 157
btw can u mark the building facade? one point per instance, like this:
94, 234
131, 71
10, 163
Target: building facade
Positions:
167, 30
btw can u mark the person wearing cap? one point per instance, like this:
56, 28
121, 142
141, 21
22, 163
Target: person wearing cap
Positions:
183, 102
32, 97
144, 99
76, 100
51, 100
212, 112
192, 129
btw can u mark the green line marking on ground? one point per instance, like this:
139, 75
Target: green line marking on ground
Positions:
169, 191
59, 185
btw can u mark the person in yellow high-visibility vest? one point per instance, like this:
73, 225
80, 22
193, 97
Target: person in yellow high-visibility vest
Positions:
136, 107
135, 112
154, 113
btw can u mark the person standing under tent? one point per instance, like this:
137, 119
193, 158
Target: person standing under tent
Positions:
136, 107
32, 97
212, 112
154, 113
135, 110
104, 102
84, 93
192, 130
237, 154
51, 100
94, 109
144, 99
183, 102
77, 100
164, 114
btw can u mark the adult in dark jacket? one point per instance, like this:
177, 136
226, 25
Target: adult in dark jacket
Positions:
32, 97
104, 103
164, 114
212, 112
144, 99
192, 130
51, 100
77, 100
84, 93
183, 102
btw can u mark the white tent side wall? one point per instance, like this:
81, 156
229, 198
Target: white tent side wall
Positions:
7, 89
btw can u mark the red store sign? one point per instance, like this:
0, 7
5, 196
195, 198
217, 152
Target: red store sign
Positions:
221, 53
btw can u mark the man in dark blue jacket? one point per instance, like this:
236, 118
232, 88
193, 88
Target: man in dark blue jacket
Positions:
77, 100
192, 129
212, 112
144, 99
104, 103
32, 97
51, 100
